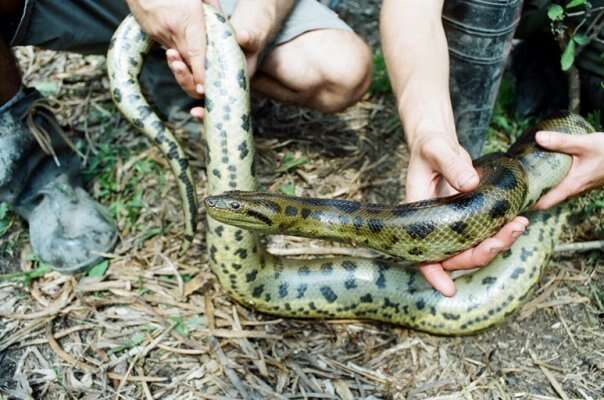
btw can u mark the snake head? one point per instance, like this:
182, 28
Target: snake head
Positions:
249, 210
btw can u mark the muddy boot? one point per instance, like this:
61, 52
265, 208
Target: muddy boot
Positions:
480, 36
68, 229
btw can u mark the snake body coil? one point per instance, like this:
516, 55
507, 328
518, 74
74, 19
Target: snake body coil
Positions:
341, 287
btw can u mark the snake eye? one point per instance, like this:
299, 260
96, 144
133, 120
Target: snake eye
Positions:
235, 205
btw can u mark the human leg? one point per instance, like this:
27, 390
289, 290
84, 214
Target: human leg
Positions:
326, 70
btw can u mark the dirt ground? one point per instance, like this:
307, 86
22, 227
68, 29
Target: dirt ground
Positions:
156, 324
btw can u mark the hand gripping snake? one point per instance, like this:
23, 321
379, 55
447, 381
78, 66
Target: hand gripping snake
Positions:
346, 287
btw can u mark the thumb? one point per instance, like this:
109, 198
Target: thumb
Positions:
455, 165
562, 142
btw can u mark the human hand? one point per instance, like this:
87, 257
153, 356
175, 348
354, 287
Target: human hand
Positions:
587, 170
438, 167
254, 24
179, 26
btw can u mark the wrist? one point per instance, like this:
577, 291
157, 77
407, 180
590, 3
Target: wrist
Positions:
425, 117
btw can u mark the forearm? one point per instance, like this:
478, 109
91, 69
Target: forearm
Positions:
415, 48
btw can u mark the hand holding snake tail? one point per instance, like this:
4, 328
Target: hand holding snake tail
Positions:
340, 287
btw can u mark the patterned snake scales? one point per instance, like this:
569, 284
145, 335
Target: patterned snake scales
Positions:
345, 287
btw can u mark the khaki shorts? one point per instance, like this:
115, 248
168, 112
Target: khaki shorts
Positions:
86, 26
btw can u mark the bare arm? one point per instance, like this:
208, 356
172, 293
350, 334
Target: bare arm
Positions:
416, 53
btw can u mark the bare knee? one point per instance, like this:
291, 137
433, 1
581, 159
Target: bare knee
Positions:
342, 74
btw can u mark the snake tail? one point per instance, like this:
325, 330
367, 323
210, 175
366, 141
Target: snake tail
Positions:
125, 57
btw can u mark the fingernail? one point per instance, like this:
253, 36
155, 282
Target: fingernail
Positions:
516, 234
465, 179
199, 88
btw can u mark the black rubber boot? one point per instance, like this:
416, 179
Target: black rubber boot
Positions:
480, 37
68, 229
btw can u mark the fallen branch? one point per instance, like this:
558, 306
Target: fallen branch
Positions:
580, 246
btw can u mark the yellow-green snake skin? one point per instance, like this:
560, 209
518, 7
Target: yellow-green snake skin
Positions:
341, 287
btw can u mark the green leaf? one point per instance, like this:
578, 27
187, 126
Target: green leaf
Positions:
290, 162
575, 3
555, 12
581, 40
568, 56
99, 270
289, 189
137, 339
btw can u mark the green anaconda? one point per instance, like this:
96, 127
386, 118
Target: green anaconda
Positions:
340, 287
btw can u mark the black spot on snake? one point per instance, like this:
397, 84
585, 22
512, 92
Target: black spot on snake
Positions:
350, 283
238, 235
305, 213
283, 290
243, 150
213, 251
420, 230
451, 317
291, 211
468, 202
251, 276
489, 280
242, 253
245, 122
507, 180
517, 272
420, 304
300, 290
327, 268
499, 209
241, 79
366, 298
416, 251
349, 265
458, 227
258, 290
219, 230
216, 173
304, 270
525, 254
375, 225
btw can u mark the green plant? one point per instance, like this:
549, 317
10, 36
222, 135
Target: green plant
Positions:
5, 219
380, 84
573, 36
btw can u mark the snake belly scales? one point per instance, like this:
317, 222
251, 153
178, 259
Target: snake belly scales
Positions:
341, 287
